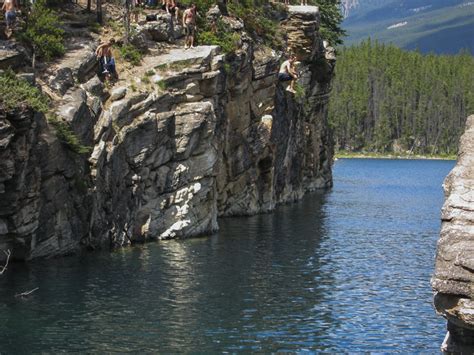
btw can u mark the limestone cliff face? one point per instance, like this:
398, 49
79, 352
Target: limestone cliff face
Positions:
453, 281
190, 136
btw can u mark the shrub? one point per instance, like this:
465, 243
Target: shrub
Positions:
67, 136
258, 23
16, 92
299, 91
43, 32
226, 40
131, 54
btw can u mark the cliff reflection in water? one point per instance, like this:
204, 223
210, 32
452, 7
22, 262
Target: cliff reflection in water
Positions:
345, 270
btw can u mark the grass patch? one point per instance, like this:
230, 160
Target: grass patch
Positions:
162, 85
145, 79
150, 72
175, 66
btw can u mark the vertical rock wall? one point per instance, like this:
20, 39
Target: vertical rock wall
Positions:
453, 280
206, 135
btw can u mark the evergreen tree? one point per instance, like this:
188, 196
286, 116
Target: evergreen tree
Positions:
387, 99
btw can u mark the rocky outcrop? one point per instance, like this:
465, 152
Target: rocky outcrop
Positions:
453, 281
188, 136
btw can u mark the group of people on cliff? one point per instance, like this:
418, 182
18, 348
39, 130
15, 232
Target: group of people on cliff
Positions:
104, 53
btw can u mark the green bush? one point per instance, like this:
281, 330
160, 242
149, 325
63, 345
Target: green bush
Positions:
299, 91
67, 136
258, 23
16, 92
226, 40
131, 54
43, 32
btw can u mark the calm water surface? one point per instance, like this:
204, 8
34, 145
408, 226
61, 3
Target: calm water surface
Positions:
345, 270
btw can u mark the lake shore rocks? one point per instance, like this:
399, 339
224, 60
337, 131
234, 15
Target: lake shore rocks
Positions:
453, 280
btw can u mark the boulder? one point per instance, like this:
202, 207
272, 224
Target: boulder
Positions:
12, 55
118, 93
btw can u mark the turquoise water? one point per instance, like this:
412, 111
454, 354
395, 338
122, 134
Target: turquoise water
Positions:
342, 270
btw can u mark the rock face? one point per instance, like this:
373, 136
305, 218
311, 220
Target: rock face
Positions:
192, 135
453, 281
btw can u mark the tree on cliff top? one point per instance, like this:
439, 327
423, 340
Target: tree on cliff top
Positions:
331, 18
43, 32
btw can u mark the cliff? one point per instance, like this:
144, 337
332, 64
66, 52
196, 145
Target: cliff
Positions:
186, 137
453, 280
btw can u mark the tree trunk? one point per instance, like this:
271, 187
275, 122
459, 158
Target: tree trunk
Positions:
89, 5
99, 11
126, 21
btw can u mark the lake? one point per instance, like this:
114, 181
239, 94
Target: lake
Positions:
346, 269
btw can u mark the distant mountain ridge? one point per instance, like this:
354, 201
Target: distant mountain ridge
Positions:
440, 26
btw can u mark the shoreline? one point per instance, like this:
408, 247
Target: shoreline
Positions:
351, 155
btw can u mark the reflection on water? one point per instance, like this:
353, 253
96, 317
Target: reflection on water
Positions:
343, 270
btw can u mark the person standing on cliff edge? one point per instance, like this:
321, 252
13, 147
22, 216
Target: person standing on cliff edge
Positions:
189, 24
10, 7
288, 72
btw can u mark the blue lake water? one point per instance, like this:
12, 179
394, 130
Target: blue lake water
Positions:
343, 270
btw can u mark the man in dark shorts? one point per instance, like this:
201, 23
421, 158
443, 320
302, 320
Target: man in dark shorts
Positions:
10, 7
189, 24
171, 8
287, 72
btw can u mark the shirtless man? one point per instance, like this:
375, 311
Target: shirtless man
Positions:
189, 24
288, 72
10, 7
106, 59
171, 7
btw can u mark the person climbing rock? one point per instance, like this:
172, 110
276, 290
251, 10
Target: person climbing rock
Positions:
171, 8
189, 24
106, 60
10, 7
288, 72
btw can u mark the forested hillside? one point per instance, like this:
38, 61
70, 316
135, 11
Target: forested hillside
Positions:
440, 26
389, 100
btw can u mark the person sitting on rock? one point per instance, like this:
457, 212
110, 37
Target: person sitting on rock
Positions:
171, 8
106, 59
10, 7
288, 72
189, 24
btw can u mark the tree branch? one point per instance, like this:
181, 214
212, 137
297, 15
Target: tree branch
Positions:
26, 293
4, 268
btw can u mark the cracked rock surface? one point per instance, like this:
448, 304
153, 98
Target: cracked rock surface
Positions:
453, 280
183, 138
